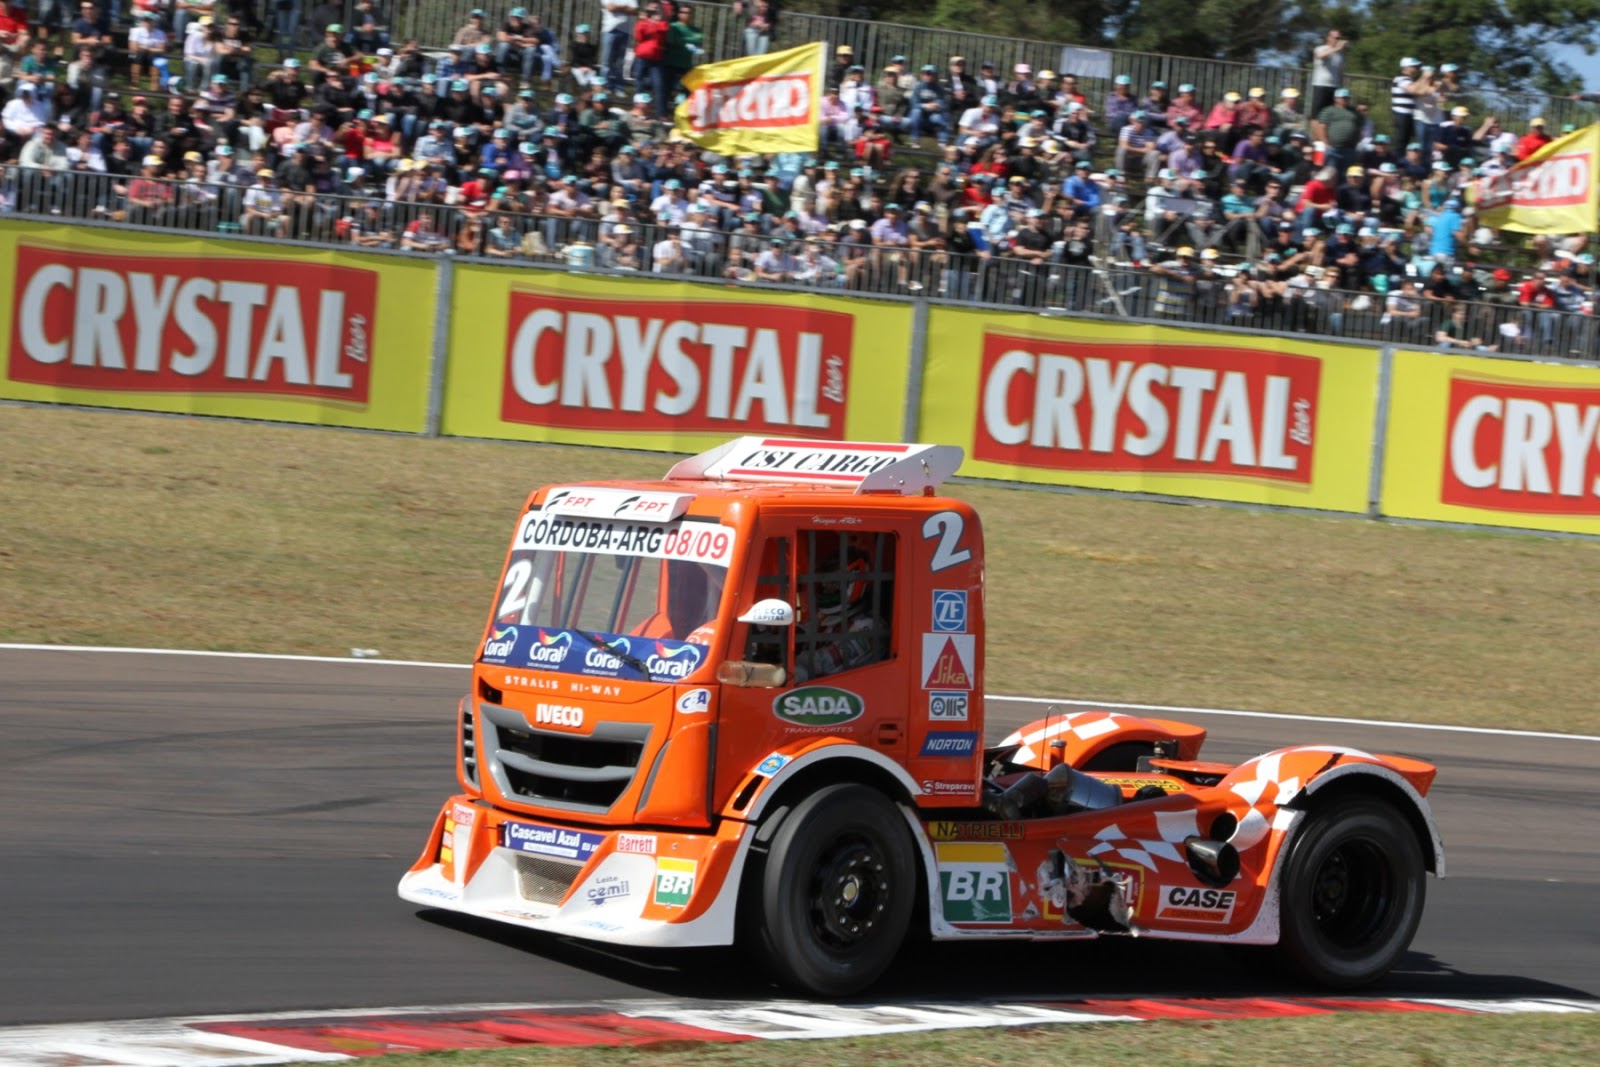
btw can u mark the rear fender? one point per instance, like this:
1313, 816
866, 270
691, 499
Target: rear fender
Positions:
1384, 782
1300, 778
1084, 734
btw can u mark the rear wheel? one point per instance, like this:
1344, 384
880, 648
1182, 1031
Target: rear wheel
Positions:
837, 892
1352, 895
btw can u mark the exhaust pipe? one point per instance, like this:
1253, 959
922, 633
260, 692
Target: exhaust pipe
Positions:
1215, 863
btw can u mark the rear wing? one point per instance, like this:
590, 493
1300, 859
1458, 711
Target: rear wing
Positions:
859, 466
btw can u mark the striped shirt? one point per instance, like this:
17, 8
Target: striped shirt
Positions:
1402, 101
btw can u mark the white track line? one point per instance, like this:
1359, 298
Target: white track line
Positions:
1111, 705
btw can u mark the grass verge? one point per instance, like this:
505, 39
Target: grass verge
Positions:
194, 533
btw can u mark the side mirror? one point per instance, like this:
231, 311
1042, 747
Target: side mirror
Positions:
770, 612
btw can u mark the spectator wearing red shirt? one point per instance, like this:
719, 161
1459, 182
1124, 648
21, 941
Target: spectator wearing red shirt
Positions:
1317, 196
1183, 106
650, 49
1535, 139
1253, 112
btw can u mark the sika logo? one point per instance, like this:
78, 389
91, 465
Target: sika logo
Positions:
550, 650
673, 661
500, 644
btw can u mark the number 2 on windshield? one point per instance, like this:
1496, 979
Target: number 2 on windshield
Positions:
516, 587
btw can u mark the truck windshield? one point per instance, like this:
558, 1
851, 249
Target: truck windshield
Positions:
648, 613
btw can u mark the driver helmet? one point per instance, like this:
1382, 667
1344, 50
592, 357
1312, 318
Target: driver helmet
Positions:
840, 589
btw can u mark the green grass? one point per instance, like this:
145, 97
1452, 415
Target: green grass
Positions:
189, 533
1361, 1041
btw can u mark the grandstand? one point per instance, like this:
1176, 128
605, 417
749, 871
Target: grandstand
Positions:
1023, 203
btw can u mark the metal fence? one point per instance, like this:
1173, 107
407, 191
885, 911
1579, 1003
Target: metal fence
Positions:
434, 24
1107, 286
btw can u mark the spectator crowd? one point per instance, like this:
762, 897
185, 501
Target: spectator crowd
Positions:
521, 141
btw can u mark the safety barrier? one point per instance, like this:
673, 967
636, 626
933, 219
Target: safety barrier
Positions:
1111, 285
99, 315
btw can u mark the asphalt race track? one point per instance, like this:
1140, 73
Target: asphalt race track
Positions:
186, 835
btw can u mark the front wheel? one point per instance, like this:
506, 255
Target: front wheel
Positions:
1352, 894
837, 892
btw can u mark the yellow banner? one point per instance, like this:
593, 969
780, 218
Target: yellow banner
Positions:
1497, 442
1552, 191
770, 103
153, 322
1152, 409
667, 365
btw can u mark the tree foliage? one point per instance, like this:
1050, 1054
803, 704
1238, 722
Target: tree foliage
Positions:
1502, 44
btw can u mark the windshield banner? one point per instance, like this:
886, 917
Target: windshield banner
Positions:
598, 655
696, 542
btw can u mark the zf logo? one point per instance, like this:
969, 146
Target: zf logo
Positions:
950, 611
947, 706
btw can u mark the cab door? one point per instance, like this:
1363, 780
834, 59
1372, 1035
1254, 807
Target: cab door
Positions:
846, 658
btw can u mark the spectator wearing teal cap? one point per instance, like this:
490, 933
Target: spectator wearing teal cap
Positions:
332, 57
1120, 103
583, 56
524, 40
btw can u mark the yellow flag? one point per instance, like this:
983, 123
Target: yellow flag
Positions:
769, 103
1552, 191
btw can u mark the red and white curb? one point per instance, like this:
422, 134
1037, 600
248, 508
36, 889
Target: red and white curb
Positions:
239, 1040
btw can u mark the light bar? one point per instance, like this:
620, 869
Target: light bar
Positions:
593, 503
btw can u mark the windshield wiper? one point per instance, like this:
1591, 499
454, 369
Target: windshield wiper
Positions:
626, 657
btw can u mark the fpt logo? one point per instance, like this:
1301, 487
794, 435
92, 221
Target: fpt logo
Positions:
550, 650
673, 661
502, 640
674, 882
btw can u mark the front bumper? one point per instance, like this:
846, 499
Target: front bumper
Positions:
631, 887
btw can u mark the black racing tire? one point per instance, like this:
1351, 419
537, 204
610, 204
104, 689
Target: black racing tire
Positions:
838, 890
1352, 894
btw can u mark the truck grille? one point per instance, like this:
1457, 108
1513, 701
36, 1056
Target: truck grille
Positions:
558, 769
469, 745
544, 881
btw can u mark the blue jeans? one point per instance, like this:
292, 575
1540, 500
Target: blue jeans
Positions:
285, 22
542, 54
935, 120
616, 56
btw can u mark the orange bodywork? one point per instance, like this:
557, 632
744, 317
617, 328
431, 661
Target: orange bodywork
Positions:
634, 716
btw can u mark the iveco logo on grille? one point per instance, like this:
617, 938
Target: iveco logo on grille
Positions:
558, 715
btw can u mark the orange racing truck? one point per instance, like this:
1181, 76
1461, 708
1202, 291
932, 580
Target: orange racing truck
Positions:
745, 704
